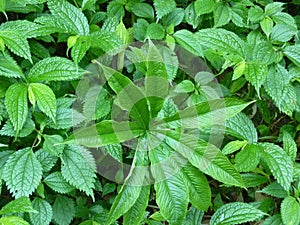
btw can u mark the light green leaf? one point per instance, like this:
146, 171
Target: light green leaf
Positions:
253, 179
256, 73
248, 158
23, 173
204, 6
82, 45
76, 169
276, 190
131, 189
163, 7
221, 40
44, 212
207, 113
191, 16
280, 89
104, 133
13, 220
143, 10
280, 164
293, 53
129, 96
189, 41
69, 17
87, 3
47, 160
255, 14
236, 213
27, 129
266, 25
54, 69
290, 211
170, 187
19, 205
16, 43
63, 210
57, 183
199, 190
222, 14
174, 18
283, 32
135, 215
205, 157
9, 68
242, 127
264, 53
115, 151
273, 8
289, 145
16, 105
52, 144
45, 99
233, 146
284, 18
107, 41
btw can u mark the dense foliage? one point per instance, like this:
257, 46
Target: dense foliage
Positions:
149, 112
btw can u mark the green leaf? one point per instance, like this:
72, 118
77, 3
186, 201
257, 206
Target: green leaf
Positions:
264, 53
16, 105
289, 145
106, 40
104, 133
255, 14
171, 195
19, 205
204, 6
155, 31
273, 8
266, 25
54, 69
273, 220
290, 211
221, 40
76, 169
115, 151
189, 41
279, 163
52, 144
131, 190
135, 215
16, 43
283, 32
129, 96
163, 7
222, 14
143, 10
253, 179
44, 212
13, 220
69, 17
248, 158
207, 113
9, 68
63, 210
191, 16
23, 173
205, 157
236, 213
45, 99
193, 217
199, 190
174, 18
280, 89
276, 190
82, 45
242, 127
47, 160
140, 29
87, 3
233, 146
293, 53
27, 129
57, 183
256, 73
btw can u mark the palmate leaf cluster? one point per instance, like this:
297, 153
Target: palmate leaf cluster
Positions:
150, 118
